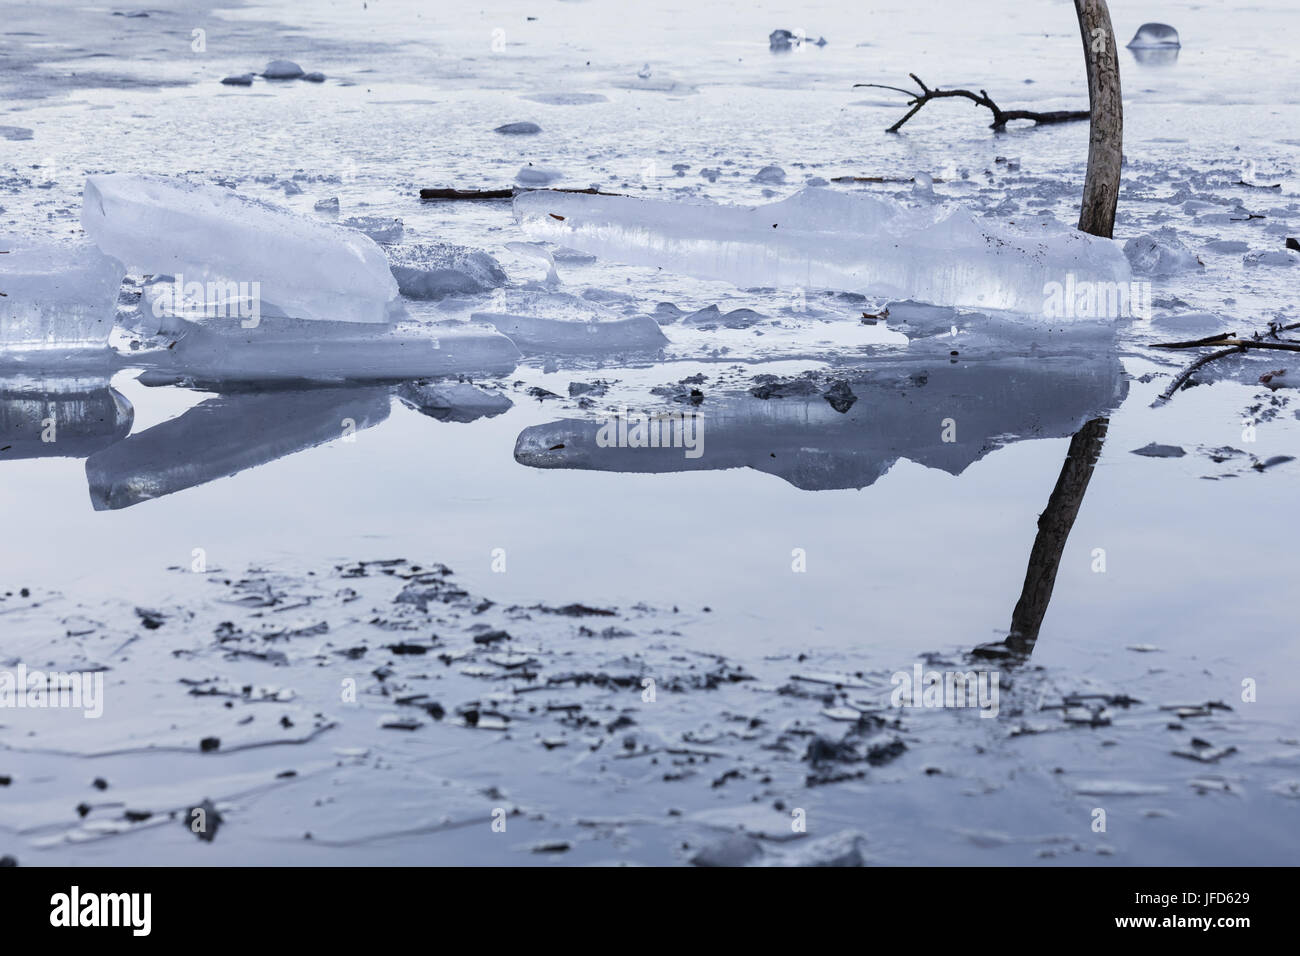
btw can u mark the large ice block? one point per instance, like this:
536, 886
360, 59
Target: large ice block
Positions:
56, 296
822, 239
215, 237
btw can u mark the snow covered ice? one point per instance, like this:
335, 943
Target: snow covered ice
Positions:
56, 296
305, 268
823, 239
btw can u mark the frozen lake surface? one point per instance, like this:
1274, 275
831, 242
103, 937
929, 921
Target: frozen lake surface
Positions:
769, 587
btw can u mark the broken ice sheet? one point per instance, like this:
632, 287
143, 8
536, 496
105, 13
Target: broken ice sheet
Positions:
453, 401
223, 436
434, 270
206, 234
56, 296
823, 239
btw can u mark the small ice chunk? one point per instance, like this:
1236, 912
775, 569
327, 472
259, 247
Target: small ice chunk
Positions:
822, 239
314, 77
56, 296
432, 270
238, 79
382, 229
305, 267
1274, 257
15, 132
1155, 450
1159, 254
518, 129
453, 401
327, 207
770, 175
1152, 36
537, 176
282, 70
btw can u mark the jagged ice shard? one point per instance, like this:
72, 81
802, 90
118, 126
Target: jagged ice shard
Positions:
822, 239
304, 268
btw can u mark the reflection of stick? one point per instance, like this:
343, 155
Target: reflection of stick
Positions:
1054, 526
1177, 383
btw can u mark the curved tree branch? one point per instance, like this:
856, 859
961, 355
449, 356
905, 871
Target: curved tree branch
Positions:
1000, 116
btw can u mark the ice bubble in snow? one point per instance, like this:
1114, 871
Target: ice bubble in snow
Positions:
210, 235
819, 238
288, 351
379, 228
518, 129
559, 322
1159, 254
537, 176
1152, 36
432, 270
56, 296
282, 70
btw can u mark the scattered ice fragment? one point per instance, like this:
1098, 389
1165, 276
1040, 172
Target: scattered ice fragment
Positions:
536, 251
15, 132
537, 176
238, 79
1154, 450
567, 99
1227, 246
282, 70
518, 129
736, 849
1159, 255
432, 270
453, 401
1154, 36
314, 77
382, 229
1274, 257
209, 235
56, 296
329, 207
822, 239
770, 175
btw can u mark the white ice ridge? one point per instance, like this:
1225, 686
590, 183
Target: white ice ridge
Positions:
56, 296
303, 268
822, 239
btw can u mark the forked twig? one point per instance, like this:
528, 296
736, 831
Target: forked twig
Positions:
1000, 116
